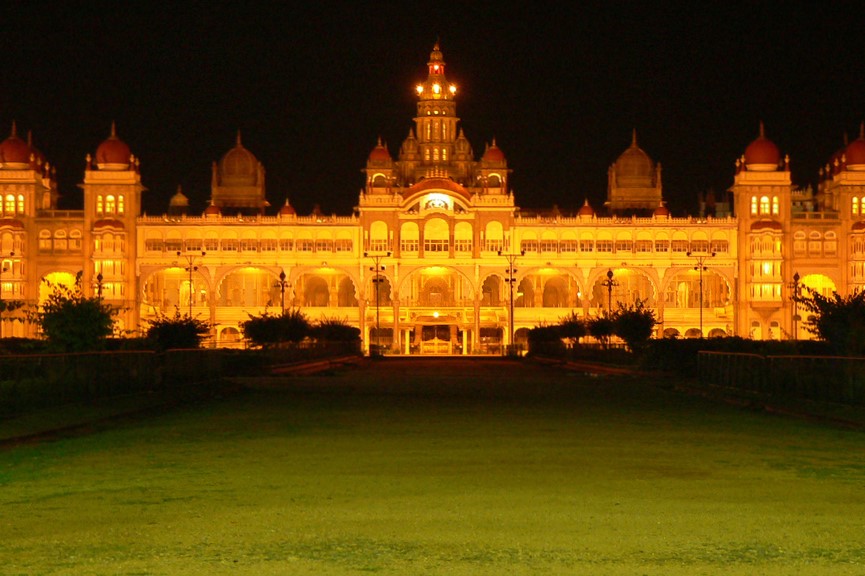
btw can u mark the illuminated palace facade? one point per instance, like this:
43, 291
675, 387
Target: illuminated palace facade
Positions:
424, 263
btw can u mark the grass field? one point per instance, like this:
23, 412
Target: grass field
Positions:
425, 467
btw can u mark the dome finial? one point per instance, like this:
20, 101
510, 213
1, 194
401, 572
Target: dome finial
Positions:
862, 130
113, 130
14, 133
237, 141
762, 130
634, 138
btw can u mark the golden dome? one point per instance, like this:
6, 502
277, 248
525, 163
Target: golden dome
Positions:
238, 167
634, 162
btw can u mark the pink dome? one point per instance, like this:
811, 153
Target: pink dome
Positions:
855, 151
379, 153
585, 209
113, 153
14, 150
494, 154
762, 152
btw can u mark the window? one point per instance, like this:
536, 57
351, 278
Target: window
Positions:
493, 245
529, 245
305, 245
700, 246
432, 245
153, 245
110, 205
44, 240
680, 246
463, 245
229, 245
100, 204
121, 205
249, 245
75, 240
764, 205
324, 245
753, 205
548, 245
830, 243
643, 246
379, 245
408, 245
193, 245
10, 204
855, 206
21, 204
775, 208
720, 246
604, 245
60, 242
662, 245
268, 245
624, 246
286, 244
343, 245
211, 244
173, 245
587, 245
568, 246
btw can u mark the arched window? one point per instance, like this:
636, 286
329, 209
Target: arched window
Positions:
21, 203
378, 237
110, 204
494, 240
855, 206
764, 205
9, 208
775, 206
754, 205
436, 236
100, 206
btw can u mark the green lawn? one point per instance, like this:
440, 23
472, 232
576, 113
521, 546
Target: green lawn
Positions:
419, 467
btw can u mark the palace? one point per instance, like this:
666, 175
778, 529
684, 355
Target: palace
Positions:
437, 258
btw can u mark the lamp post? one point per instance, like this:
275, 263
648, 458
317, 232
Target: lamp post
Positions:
282, 283
511, 280
609, 283
378, 268
701, 267
3, 269
191, 267
794, 297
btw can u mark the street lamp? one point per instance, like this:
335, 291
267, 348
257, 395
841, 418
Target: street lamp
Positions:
378, 268
701, 267
190, 260
511, 280
282, 283
794, 297
609, 284
3, 268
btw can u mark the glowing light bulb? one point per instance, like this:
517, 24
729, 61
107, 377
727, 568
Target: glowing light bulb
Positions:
437, 88
453, 89
419, 89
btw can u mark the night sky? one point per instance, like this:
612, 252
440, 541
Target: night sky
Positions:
559, 86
